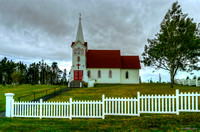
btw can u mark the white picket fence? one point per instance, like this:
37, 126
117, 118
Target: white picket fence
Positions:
162, 104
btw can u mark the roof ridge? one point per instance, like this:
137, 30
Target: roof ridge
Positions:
103, 50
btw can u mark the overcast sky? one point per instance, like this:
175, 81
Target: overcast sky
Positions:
31, 30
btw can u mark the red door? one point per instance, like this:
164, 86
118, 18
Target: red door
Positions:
78, 75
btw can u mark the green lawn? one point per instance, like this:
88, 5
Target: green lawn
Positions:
189, 121
154, 122
22, 90
122, 91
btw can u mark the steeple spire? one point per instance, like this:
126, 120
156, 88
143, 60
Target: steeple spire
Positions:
79, 35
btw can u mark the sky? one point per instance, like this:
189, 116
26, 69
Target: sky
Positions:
32, 30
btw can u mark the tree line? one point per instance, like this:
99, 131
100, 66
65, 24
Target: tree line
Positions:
35, 73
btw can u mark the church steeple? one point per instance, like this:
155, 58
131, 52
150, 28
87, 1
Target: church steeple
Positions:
79, 35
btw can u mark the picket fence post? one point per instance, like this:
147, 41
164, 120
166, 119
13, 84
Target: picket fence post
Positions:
41, 108
103, 109
177, 101
12, 107
9, 104
70, 110
138, 96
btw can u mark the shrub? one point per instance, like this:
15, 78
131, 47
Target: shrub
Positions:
195, 77
16, 77
198, 79
187, 78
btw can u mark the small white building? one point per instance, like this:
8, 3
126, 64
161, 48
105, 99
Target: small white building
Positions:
101, 66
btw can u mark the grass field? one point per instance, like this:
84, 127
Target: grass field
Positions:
152, 122
122, 91
23, 90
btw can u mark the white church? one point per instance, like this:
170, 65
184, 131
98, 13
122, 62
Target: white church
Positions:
100, 66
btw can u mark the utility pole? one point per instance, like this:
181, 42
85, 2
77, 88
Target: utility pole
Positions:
159, 78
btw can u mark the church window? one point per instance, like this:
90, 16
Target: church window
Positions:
79, 51
99, 74
127, 75
89, 73
78, 58
82, 52
74, 51
110, 74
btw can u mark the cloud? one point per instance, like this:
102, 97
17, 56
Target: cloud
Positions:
38, 29
45, 28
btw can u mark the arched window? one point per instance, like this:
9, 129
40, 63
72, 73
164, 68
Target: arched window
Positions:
99, 74
126, 74
82, 52
89, 73
79, 51
74, 51
78, 59
110, 74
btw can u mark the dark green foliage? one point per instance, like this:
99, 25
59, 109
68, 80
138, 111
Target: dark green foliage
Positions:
16, 77
64, 80
176, 46
6, 69
36, 73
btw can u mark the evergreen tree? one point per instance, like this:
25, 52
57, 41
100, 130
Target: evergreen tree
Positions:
64, 80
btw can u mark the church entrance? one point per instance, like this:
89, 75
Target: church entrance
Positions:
78, 75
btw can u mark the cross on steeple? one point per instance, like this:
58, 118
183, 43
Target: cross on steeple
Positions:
78, 65
79, 16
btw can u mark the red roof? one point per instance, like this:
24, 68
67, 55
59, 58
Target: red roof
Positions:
103, 59
85, 44
111, 59
130, 62
73, 43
